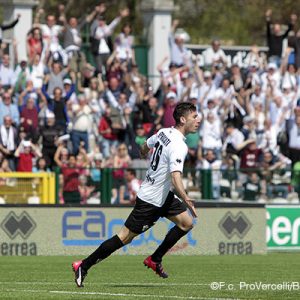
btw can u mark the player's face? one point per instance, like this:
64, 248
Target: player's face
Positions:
192, 122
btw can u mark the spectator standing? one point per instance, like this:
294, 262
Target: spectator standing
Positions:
121, 161
214, 55
34, 43
109, 137
50, 35
8, 26
102, 32
25, 158
85, 191
31, 114
178, 52
57, 75
81, 123
6, 73
50, 133
275, 39
124, 45
37, 69
210, 132
8, 141
72, 39
209, 161
71, 174
10, 109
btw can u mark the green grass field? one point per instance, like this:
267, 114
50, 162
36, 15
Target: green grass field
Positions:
125, 277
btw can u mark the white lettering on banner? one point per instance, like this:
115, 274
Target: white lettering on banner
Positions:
282, 230
277, 229
295, 233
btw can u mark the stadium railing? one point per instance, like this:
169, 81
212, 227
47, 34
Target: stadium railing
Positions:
225, 185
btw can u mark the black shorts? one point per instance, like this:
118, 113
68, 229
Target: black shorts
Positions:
144, 215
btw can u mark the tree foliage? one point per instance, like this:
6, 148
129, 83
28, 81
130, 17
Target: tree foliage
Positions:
238, 22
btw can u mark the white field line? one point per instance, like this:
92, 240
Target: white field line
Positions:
106, 283
117, 294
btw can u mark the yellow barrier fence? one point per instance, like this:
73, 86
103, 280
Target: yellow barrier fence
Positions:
23, 187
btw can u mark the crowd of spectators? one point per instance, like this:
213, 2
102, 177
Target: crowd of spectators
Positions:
57, 109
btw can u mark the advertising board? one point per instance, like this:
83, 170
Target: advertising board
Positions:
80, 230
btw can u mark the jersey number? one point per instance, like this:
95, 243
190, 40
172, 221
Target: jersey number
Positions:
156, 156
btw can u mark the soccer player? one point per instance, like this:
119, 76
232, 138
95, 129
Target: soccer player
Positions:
154, 199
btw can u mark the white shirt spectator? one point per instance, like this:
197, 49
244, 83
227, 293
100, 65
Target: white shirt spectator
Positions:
210, 55
235, 139
210, 133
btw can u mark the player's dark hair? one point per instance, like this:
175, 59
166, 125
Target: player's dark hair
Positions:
182, 110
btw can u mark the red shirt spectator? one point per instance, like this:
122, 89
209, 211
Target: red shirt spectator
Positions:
105, 126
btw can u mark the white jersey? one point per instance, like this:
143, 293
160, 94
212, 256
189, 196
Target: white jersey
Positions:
169, 152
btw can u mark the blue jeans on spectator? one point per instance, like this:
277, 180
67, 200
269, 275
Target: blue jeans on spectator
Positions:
80, 136
276, 60
106, 144
63, 125
277, 190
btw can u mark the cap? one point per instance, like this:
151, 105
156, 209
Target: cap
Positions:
50, 114
248, 119
101, 18
33, 96
136, 80
67, 81
207, 74
24, 59
184, 75
64, 150
254, 64
26, 144
139, 126
98, 156
171, 65
271, 66
171, 94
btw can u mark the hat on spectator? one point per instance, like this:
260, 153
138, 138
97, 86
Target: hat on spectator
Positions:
207, 74
172, 65
64, 150
271, 66
139, 126
98, 156
248, 119
185, 75
50, 114
67, 81
101, 18
24, 59
33, 96
26, 144
171, 94
254, 64
136, 79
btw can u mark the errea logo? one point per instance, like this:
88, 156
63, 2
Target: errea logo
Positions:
14, 225
231, 225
